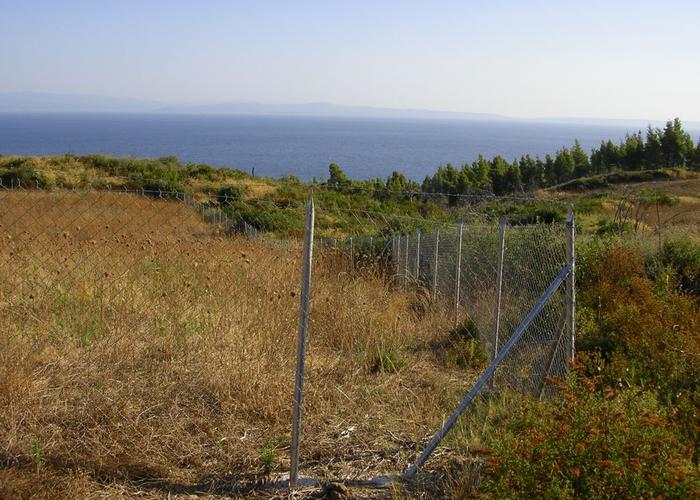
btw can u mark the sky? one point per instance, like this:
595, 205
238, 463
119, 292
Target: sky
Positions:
536, 58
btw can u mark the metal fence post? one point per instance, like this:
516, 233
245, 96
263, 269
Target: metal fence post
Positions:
405, 267
352, 258
458, 271
397, 254
301, 345
418, 255
435, 262
499, 281
571, 281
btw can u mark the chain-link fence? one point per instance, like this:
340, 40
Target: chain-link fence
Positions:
490, 278
457, 267
161, 284
120, 249
137, 327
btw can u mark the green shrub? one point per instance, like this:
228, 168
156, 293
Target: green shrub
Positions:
22, 172
534, 214
265, 216
387, 361
229, 194
467, 329
664, 199
267, 454
462, 347
604, 180
168, 160
200, 171
467, 353
635, 331
682, 257
635, 318
37, 453
594, 442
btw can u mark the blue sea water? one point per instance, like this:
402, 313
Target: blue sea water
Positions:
300, 146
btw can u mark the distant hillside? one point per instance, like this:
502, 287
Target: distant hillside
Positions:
38, 102
44, 102
324, 109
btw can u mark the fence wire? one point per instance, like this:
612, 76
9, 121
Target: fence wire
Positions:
92, 265
456, 265
121, 250
488, 278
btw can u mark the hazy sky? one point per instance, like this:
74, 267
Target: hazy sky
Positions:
614, 58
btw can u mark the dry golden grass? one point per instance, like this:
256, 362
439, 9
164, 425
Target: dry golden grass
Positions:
255, 188
143, 353
685, 212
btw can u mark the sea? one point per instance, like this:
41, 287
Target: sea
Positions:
275, 146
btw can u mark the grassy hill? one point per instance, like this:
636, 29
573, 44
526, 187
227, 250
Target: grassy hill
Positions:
166, 356
276, 205
145, 354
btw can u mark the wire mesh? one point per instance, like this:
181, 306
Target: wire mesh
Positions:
533, 255
161, 292
126, 267
118, 248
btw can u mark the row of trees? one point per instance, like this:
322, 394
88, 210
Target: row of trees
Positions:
671, 146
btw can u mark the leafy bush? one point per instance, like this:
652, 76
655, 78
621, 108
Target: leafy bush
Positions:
525, 213
663, 199
200, 171
229, 194
467, 329
585, 184
636, 318
682, 257
263, 215
462, 347
22, 172
635, 331
594, 442
467, 353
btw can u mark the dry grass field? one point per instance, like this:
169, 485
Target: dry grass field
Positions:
686, 212
144, 354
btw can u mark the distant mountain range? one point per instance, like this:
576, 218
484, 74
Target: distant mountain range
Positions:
40, 102
36, 102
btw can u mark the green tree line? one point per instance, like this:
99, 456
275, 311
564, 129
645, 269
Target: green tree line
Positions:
658, 148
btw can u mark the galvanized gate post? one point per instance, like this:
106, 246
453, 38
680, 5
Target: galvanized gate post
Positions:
405, 267
352, 258
435, 262
418, 255
397, 254
499, 282
458, 271
571, 281
301, 341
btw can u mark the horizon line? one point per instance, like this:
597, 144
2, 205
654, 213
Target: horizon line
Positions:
171, 107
